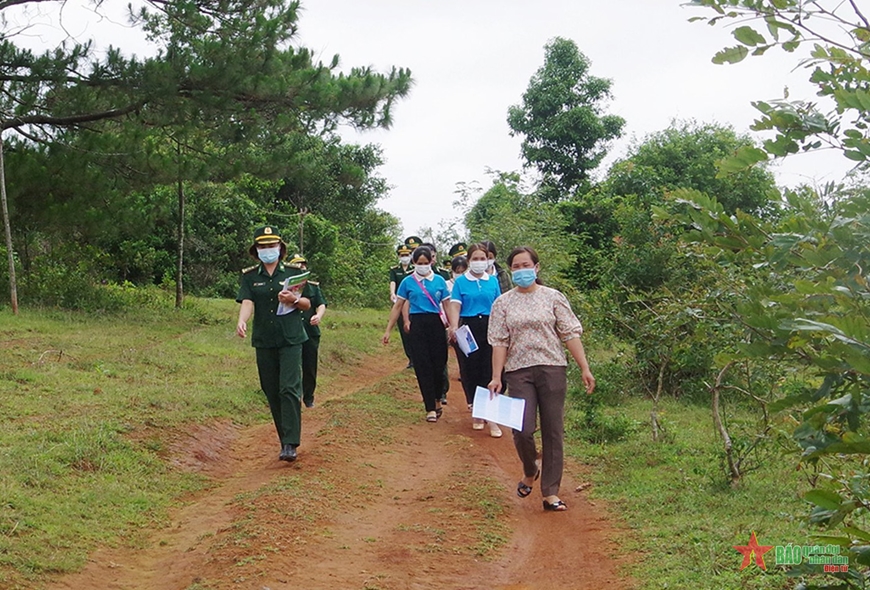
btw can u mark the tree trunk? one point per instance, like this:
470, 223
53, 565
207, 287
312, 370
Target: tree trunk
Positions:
179, 272
13, 286
733, 469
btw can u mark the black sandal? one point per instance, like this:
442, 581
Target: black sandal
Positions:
557, 506
523, 490
439, 411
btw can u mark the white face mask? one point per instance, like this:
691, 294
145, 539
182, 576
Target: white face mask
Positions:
269, 255
490, 263
423, 269
478, 267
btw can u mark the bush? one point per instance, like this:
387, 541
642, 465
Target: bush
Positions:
588, 420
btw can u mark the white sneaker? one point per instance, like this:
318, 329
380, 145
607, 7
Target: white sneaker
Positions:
494, 430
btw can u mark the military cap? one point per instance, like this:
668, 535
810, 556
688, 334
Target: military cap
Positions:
296, 261
459, 249
413, 242
403, 250
267, 234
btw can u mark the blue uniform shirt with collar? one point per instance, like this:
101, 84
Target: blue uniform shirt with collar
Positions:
419, 303
475, 295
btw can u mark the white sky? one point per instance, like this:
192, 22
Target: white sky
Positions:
472, 59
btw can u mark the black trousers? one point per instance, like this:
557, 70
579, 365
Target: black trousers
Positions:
475, 370
406, 344
429, 354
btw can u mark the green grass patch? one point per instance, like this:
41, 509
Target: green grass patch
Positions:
683, 518
89, 403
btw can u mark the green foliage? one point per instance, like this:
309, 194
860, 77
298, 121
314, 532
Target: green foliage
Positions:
673, 498
618, 242
561, 119
97, 409
685, 155
809, 308
594, 424
840, 55
511, 215
189, 143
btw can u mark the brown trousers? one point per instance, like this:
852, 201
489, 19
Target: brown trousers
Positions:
544, 388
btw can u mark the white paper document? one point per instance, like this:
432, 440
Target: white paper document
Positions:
465, 340
502, 409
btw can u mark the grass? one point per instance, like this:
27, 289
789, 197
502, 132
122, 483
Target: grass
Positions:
682, 517
89, 402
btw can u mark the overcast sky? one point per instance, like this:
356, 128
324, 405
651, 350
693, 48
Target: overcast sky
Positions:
472, 59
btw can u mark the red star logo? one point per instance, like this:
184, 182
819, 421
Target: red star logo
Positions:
753, 547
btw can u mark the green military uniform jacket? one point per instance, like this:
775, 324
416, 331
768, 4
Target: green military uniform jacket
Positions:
270, 330
444, 272
312, 292
397, 275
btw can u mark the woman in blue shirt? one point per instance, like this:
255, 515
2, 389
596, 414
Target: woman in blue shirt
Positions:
470, 304
424, 290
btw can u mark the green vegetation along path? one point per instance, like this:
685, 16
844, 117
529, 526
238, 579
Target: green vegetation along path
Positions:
379, 499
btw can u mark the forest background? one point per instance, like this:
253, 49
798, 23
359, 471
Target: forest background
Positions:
124, 177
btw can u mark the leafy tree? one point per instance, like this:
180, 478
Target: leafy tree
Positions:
561, 119
224, 78
617, 238
510, 215
839, 33
685, 155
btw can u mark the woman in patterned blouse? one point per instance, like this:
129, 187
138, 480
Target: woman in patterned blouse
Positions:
527, 327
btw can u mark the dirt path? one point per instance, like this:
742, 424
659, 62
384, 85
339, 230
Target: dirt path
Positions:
372, 504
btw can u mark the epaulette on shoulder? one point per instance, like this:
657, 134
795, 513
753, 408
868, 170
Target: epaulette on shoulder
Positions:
249, 269
315, 283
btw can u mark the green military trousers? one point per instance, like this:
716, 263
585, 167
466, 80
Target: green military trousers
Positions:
280, 372
309, 368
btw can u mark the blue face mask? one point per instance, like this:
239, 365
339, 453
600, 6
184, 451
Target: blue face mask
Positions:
269, 255
524, 277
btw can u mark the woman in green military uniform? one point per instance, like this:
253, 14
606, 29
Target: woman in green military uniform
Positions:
311, 319
397, 275
277, 338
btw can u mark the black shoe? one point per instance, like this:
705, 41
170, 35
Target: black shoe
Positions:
410, 365
288, 453
309, 404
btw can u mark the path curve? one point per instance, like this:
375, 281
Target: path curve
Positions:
384, 518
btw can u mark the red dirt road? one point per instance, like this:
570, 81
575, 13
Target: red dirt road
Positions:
393, 508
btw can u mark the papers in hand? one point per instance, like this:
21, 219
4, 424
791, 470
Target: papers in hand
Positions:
501, 409
290, 284
465, 340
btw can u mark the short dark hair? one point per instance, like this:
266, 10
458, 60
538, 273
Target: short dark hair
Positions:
458, 262
431, 247
421, 251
